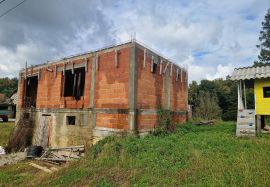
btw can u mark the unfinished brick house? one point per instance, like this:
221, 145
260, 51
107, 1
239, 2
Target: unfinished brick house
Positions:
80, 99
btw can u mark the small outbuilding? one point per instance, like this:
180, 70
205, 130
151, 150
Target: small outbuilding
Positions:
251, 120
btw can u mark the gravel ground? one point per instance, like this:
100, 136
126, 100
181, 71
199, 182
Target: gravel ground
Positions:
12, 158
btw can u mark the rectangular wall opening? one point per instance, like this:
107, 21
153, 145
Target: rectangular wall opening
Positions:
74, 83
266, 92
71, 120
31, 91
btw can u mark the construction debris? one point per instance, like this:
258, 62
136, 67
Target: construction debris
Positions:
2, 151
41, 167
62, 155
12, 158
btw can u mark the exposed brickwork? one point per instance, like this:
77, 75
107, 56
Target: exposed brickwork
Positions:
112, 89
115, 121
112, 82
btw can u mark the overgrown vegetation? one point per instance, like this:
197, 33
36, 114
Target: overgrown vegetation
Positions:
264, 46
208, 106
22, 135
225, 92
7, 85
165, 123
5, 130
191, 156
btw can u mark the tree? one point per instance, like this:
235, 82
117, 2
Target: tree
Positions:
264, 56
7, 85
208, 106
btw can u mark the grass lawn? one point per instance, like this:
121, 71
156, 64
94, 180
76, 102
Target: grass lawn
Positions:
192, 156
5, 130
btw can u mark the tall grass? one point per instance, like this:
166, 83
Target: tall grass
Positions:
191, 156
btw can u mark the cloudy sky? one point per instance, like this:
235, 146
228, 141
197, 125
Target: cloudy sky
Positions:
212, 37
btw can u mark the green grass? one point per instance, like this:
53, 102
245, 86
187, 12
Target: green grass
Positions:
5, 130
192, 156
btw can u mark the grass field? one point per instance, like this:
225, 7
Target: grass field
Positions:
5, 130
192, 156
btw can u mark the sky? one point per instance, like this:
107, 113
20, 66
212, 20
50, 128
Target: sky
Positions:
211, 37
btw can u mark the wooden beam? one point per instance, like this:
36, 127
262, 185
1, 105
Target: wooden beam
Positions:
40, 167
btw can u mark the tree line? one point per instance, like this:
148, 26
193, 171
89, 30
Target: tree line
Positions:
8, 85
216, 99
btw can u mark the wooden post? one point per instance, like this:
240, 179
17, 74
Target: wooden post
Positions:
258, 124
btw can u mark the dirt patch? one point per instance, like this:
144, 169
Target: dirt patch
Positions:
12, 158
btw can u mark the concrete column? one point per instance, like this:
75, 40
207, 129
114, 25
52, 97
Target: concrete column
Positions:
92, 91
167, 89
132, 90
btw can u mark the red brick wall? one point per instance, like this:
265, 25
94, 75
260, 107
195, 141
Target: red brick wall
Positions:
150, 85
111, 89
151, 91
116, 121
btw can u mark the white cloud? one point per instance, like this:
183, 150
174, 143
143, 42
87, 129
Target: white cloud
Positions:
221, 72
212, 37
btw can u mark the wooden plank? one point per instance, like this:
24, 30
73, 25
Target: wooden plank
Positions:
41, 167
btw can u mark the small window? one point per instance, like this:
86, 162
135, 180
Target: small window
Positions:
71, 120
266, 92
154, 70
